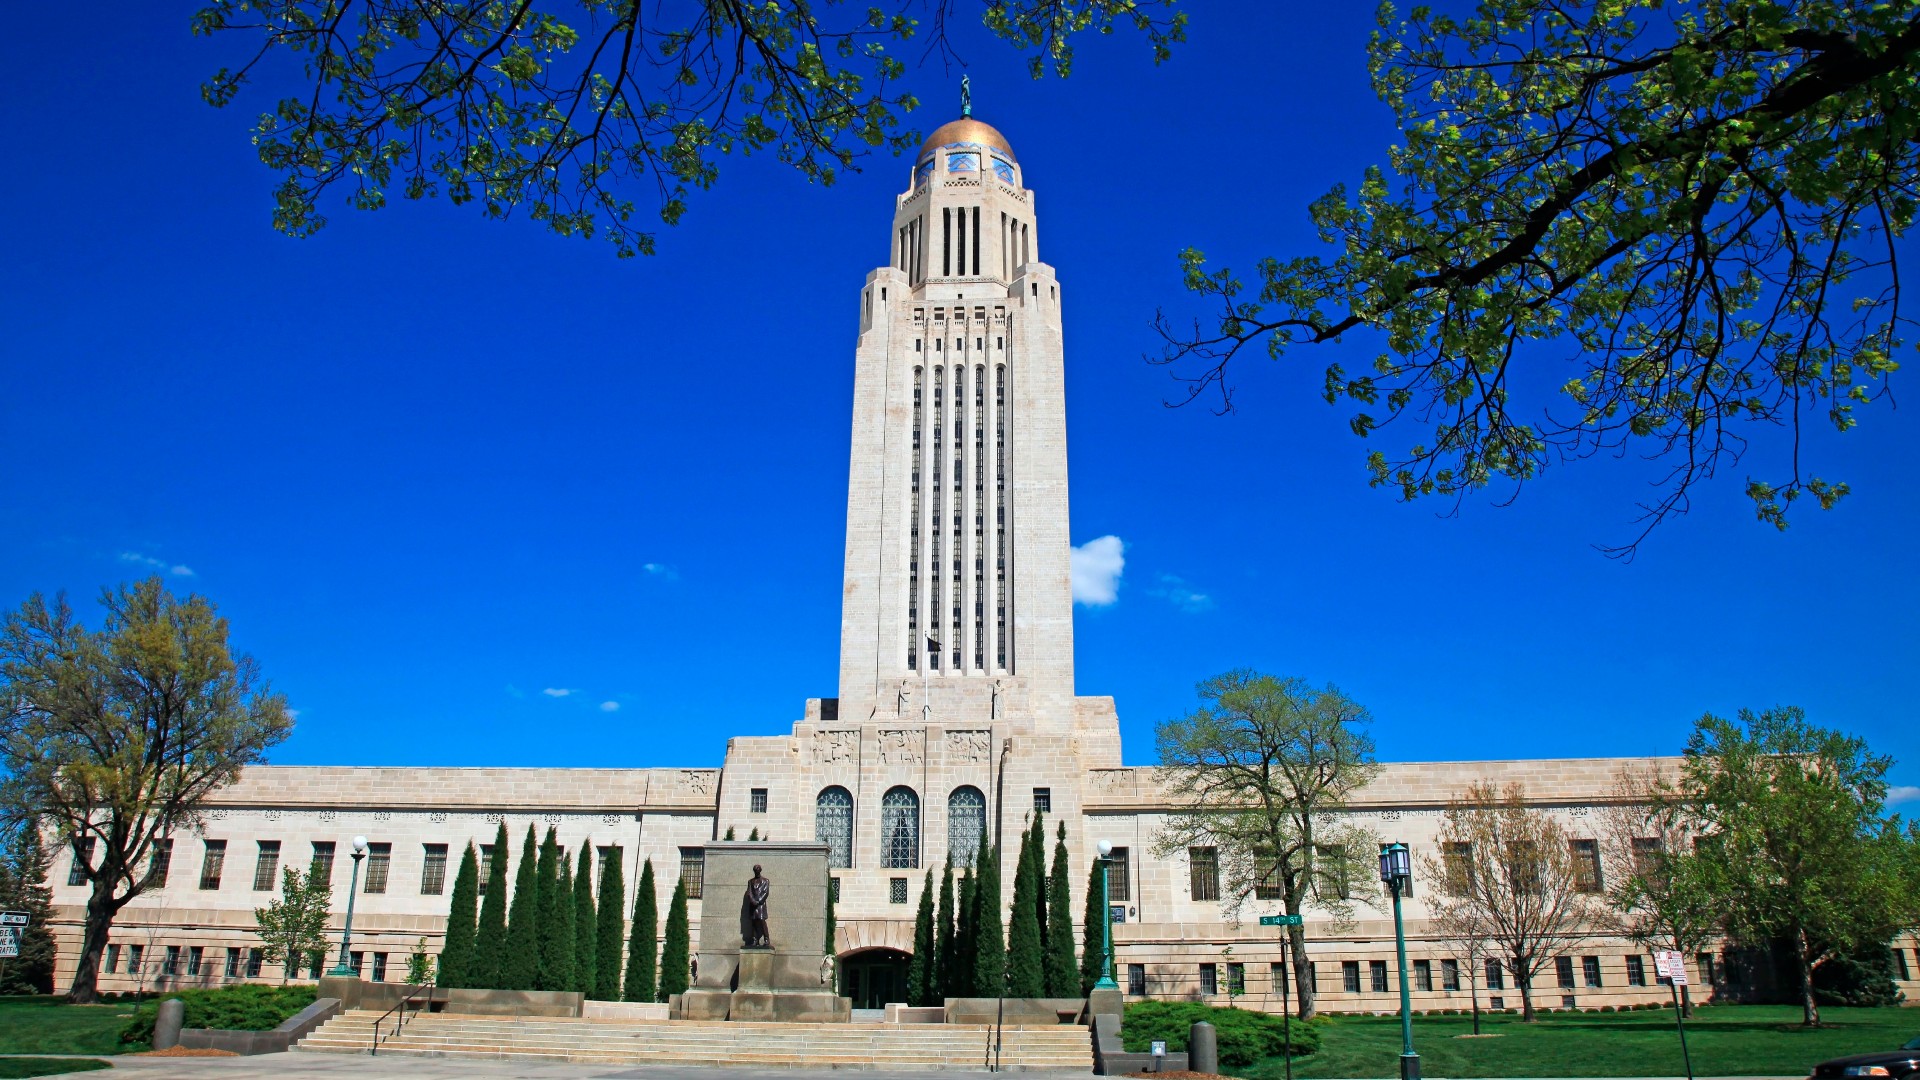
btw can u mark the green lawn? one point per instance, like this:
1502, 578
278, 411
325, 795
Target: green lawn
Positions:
11, 1067
1726, 1040
47, 1025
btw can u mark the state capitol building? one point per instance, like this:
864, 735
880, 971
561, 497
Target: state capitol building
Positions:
957, 707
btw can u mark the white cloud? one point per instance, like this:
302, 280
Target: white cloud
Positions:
293, 714
1903, 793
1097, 565
1176, 591
555, 691
176, 569
609, 706
661, 570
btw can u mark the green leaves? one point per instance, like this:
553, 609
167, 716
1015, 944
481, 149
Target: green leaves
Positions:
575, 113
1682, 214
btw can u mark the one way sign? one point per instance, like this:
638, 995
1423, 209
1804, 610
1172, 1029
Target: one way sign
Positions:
14, 918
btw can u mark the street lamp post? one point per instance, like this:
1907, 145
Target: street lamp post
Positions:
344, 968
1106, 921
1396, 872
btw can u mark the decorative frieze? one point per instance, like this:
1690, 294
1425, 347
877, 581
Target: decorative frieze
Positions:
969, 746
835, 747
903, 746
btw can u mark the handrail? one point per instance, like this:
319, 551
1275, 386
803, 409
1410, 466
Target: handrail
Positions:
401, 1020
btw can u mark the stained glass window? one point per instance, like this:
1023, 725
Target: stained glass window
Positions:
966, 822
833, 825
900, 829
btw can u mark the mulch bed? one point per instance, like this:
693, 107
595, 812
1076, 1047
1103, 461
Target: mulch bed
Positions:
184, 1051
1179, 1074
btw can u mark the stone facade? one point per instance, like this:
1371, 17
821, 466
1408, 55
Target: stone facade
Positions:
956, 711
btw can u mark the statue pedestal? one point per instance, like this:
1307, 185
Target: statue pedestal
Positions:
781, 984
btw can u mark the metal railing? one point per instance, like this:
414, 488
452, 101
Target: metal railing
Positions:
399, 1013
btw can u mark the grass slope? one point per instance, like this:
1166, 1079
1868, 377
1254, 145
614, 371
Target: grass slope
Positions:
1726, 1040
47, 1025
11, 1067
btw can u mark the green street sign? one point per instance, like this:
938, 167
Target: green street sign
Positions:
1280, 920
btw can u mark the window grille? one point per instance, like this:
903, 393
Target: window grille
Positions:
1350, 976
757, 801
485, 868
322, 865
1043, 800
134, 953
160, 862
171, 965
1423, 975
212, 864
233, 963
1590, 968
1563, 971
693, 870
1496, 976
1586, 866
833, 825
1449, 974
379, 858
1137, 980
1119, 876
379, 967
1636, 971
82, 858
900, 829
1236, 978
1377, 972
1203, 873
966, 824
1209, 979
266, 866
256, 958
897, 890
195, 955
113, 958
433, 869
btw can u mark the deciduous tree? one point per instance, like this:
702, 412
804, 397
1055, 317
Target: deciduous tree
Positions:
1260, 773
294, 924
1506, 877
1657, 228
1659, 895
114, 737
457, 953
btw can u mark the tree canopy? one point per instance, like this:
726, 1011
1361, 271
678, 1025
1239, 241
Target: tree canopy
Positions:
1634, 227
580, 115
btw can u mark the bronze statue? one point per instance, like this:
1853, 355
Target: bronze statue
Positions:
753, 913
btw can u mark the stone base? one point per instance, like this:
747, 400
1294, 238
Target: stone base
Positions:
1017, 1012
765, 1006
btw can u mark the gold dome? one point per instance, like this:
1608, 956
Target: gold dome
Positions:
965, 130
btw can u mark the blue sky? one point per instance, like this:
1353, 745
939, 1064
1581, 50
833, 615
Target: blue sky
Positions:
473, 494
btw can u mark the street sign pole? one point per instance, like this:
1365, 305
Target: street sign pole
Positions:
1673, 966
1286, 979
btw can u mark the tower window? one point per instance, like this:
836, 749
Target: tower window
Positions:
833, 825
757, 801
900, 828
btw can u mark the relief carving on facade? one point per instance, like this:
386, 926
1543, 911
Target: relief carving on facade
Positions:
698, 781
903, 746
833, 747
1112, 781
969, 746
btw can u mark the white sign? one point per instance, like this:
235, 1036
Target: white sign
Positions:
1159, 1048
15, 918
9, 942
1672, 966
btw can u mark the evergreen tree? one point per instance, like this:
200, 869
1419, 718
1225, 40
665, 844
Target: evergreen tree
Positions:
1039, 872
965, 919
612, 921
833, 929
490, 934
754, 836
1062, 978
920, 969
1026, 959
643, 946
586, 927
675, 955
520, 960
729, 835
1093, 941
943, 936
23, 887
556, 916
989, 945
456, 955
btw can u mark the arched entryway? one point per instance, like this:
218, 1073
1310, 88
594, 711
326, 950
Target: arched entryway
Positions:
874, 978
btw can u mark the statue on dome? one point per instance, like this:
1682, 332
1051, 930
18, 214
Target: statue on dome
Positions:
966, 95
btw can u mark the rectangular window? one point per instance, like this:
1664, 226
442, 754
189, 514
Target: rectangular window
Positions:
213, 863
1236, 978
1043, 800
1496, 976
1449, 974
1423, 975
171, 965
113, 958
833, 886
1119, 878
1266, 883
356, 960
897, 890
486, 867
1708, 976
255, 958
1330, 873
1636, 971
1586, 866
134, 953
1203, 873
1900, 965
1350, 976
1563, 970
1137, 980
267, 866
1646, 853
195, 955
1377, 972
1590, 969
160, 863
379, 859
314, 959
433, 869
321, 865
1457, 858
1496, 1003
1209, 979
82, 858
233, 963
693, 870
379, 967
1277, 975
757, 801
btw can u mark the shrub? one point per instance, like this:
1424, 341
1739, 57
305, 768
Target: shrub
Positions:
241, 1007
1243, 1037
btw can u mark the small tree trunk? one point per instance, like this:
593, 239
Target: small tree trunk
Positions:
1302, 977
1809, 1008
93, 941
1686, 1002
1526, 993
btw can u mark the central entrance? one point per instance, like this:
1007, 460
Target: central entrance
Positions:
874, 978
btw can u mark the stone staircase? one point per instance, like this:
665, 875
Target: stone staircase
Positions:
639, 1042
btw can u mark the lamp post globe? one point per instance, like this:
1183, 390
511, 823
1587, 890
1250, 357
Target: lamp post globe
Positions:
343, 967
1106, 920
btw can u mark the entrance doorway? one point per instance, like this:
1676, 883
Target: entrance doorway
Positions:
874, 978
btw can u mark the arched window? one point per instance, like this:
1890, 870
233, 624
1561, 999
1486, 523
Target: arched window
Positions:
900, 829
966, 823
833, 825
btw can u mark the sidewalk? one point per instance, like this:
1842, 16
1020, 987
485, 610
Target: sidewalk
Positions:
304, 1066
